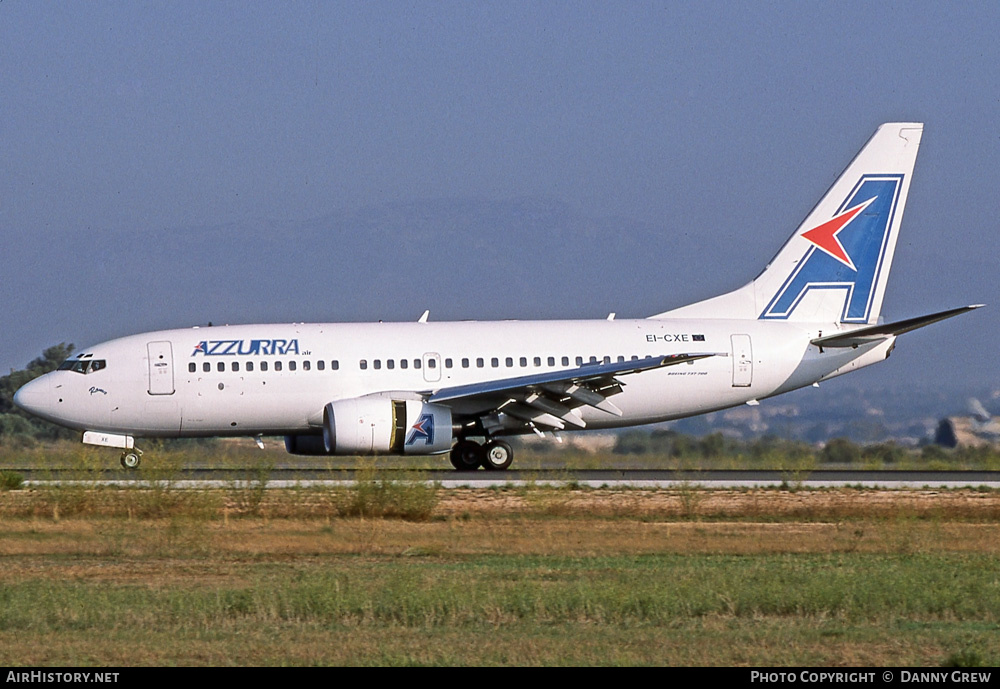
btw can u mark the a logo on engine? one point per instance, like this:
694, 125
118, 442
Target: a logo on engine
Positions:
422, 430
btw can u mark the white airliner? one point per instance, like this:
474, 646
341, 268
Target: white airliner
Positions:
415, 388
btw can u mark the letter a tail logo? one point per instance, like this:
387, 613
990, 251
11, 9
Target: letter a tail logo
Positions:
845, 254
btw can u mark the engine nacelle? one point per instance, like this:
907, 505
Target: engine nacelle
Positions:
374, 425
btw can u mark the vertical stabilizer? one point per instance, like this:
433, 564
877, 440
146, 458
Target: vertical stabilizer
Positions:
835, 266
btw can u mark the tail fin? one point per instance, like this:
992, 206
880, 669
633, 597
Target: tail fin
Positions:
835, 266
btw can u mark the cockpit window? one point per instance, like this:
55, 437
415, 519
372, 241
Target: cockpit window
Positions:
83, 366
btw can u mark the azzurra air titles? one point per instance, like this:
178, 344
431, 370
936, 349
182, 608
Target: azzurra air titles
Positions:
276, 347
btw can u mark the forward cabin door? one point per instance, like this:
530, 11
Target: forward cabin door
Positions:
161, 368
742, 361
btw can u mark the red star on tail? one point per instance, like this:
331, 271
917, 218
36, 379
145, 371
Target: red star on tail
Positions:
825, 236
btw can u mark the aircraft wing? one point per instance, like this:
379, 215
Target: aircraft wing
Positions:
550, 400
876, 333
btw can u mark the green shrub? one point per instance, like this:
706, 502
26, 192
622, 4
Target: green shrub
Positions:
840, 451
11, 480
411, 499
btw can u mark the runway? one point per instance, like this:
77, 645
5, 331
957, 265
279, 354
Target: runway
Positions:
645, 478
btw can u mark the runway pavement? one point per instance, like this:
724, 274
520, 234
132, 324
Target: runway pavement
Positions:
286, 477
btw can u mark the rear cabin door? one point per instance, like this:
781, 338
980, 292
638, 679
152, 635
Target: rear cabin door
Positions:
161, 368
742, 361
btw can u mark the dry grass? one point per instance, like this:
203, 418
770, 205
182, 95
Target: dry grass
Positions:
554, 537
499, 577
420, 501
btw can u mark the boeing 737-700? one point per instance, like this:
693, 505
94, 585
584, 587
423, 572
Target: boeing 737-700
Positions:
425, 387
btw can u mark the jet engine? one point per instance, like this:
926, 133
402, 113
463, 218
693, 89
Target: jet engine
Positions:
376, 425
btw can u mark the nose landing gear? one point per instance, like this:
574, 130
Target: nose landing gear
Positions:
131, 458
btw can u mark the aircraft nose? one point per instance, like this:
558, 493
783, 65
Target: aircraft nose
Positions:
33, 396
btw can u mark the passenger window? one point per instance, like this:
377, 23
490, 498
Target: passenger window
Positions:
364, 364
538, 361
221, 366
479, 362
416, 363
565, 361
523, 361
579, 361
607, 360
465, 363
263, 366
249, 366
621, 360
447, 363
495, 362
235, 366
593, 359
306, 365
335, 365
320, 365
206, 367
291, 366
509, 361
404, 363
551, 361
277, 365
432, 363
192, 367
390, 364
378, 364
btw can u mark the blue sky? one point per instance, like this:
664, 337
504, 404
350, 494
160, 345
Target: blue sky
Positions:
717, 125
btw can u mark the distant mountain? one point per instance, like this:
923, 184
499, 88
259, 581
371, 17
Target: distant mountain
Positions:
909, 415
461, 258
518, 258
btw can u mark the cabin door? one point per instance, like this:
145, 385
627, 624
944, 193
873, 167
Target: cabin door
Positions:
742, 361
161, 368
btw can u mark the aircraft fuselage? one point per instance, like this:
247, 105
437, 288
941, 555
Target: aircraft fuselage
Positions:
275, 379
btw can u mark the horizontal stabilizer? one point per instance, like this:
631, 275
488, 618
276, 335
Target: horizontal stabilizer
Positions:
875, 333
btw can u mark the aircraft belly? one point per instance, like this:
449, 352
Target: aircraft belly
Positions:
239, 410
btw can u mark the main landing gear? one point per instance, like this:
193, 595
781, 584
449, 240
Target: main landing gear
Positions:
468, 455
131, 458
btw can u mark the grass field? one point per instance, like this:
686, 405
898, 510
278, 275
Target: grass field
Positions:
394, 573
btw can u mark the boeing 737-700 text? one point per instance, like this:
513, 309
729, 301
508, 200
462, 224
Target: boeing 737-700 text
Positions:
417, 388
